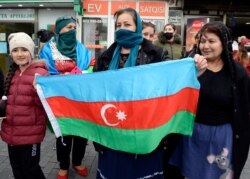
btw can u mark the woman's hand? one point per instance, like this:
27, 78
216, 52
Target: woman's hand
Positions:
201, 63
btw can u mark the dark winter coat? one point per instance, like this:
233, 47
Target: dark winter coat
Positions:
241, 120
149, 53
174, 50
25, 121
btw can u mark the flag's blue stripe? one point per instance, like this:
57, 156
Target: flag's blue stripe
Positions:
134, 83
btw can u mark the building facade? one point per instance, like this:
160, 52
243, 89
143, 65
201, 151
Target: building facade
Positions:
29, 17
95, 25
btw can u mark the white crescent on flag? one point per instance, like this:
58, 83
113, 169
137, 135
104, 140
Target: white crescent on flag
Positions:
103, 111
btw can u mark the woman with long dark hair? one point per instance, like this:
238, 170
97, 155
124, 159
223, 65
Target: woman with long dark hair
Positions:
219, 145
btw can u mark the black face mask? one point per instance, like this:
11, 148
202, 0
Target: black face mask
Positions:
168, 35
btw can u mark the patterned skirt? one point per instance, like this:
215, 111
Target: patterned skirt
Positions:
207, 154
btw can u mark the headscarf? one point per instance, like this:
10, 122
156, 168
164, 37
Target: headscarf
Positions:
61, 22
66, 42
128, 39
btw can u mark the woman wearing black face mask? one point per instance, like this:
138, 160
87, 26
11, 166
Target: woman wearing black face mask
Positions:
129, 49
170, 42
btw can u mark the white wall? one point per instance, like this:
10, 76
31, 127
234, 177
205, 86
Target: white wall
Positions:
46, 17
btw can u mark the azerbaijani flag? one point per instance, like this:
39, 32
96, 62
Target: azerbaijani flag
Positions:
130, 109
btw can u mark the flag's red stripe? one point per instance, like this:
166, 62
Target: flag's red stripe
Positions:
139, 114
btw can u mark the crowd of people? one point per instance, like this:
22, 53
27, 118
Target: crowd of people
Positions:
219, 145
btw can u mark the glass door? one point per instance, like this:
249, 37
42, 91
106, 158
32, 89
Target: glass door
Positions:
6, 28
94, 34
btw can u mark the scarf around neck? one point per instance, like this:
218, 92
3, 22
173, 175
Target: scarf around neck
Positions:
127, 39
66, 43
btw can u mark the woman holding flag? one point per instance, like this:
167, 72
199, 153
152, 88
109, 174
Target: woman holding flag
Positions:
64, 54
129, 49
24, 127
219, 145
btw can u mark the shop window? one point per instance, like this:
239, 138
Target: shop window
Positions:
94, 34
6, 28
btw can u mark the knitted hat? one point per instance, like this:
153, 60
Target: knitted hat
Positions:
21, 39
61, 22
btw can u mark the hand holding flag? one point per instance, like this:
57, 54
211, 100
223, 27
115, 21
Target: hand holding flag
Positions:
130, 109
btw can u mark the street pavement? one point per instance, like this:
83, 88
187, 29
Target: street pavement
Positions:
48, 160
50, 166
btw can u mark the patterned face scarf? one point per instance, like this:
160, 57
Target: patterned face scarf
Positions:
127, 39
66, 43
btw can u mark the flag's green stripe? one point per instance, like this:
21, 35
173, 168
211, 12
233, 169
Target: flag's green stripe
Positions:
133, 141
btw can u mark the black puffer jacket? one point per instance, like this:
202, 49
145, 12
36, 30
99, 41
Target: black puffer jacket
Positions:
241, 120
148, 53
